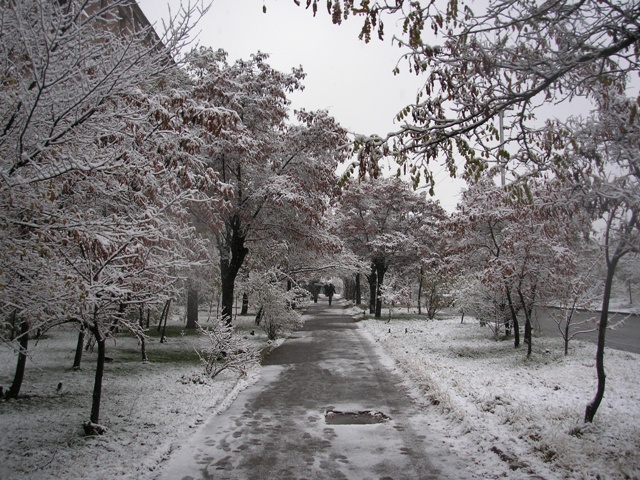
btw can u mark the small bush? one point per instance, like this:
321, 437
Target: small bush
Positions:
226, 350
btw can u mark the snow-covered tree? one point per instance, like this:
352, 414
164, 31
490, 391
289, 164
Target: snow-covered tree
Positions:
276, 315
279, 174
628, 273
480, 226
518, 250
577, 291
226, 349
92, 210
436, 286
395, 292
602, 159
380, 222
481, 59
435, 277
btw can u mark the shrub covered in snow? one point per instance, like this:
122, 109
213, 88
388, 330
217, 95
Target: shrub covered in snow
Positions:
277, 315
226, 349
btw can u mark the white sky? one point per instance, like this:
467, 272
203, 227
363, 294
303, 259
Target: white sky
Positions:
350, 79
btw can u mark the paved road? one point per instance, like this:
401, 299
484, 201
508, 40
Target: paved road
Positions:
277, 428
625, 337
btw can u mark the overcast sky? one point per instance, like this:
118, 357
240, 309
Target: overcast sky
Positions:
350, 79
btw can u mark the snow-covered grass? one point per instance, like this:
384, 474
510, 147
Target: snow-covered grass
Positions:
515, 417
148, 408
511, 417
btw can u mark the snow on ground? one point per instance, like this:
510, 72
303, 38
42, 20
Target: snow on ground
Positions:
514, 417
511, 417
148, 408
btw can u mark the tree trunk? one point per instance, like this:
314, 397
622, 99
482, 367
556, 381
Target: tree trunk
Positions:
514, 317
372, 278
358, 292
143, 348
165, 318
115, 323
420, 289
232, 254
77, 359
527, 334
506, 319
97, 384
245, 304
164, 311
22, 361
528, 311
227, 287
348, 288
592, 407
432, 302
192, 308
381, 268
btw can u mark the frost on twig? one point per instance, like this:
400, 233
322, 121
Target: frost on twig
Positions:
226, 350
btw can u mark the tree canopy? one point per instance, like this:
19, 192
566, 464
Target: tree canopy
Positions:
480, 61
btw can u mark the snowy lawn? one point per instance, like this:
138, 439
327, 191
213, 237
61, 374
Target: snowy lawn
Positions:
148, 408
515, 417
509, 416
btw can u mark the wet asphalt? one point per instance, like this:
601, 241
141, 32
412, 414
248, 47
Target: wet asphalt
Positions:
278, 429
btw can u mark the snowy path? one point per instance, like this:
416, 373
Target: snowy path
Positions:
277, 428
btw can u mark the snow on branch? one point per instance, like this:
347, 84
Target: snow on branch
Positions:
226, 350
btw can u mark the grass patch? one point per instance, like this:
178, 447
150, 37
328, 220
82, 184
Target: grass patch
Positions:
399, 316
172, 331
160, 353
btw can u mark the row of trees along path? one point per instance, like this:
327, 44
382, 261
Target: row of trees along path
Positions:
483, 64
132, 168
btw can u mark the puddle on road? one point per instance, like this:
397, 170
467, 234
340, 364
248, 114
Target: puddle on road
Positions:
363, 417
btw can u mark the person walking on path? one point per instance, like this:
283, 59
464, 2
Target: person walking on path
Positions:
330, 291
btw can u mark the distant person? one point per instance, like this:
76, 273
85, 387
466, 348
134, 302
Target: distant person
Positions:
330, 291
